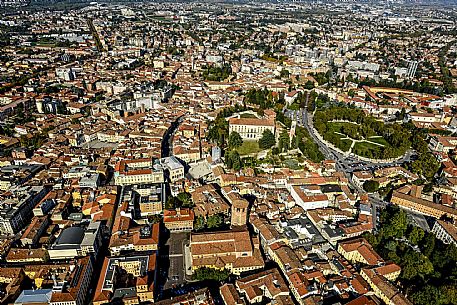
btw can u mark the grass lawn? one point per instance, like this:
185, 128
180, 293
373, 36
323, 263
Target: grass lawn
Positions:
247, 116
346, 144
248, 147
336, 126
379, 140
363, 148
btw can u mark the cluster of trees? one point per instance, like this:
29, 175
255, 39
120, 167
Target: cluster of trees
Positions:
429, 269
203, 273
371, 186
216, 73
426, 164
284, 141
321, 78
235, 140
299, 102
264, 98
267, 140
232, 160
284, 73
448, 84
182, 200
218, 130
317, 101
396, 135
303, 141
211, 222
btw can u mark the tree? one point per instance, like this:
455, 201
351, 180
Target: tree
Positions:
415, 235
154, 218
172, 203
428, 295
199, 223
233, 160
395, 222
268, 140
371, 186
309, 85
204, 273
426, 165
284, 141
214, 221
284, 73
428, 244
185, 198
415, 265
235, 140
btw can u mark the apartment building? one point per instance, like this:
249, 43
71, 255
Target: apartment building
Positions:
383, 289
138, 171
233, 250
141, 268
179, 220
309, 197
16, 209
446, 232
422, 206
359, 251
173, 168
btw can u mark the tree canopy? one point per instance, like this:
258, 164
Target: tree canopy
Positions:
371, 186
268, 140
235, 140
429, 270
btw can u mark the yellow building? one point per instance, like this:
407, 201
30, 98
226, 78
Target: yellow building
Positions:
423, 206
233, 250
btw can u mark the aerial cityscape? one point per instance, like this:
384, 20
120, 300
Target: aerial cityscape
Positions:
228, 152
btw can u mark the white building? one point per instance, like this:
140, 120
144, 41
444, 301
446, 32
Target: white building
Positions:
308, 198
446, 232
174, 167
251, 128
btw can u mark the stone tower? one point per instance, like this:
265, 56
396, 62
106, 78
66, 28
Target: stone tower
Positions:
239, 212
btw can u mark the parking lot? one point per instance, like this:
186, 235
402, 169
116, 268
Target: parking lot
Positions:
175, 245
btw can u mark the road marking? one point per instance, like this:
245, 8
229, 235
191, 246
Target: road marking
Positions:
175, 255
